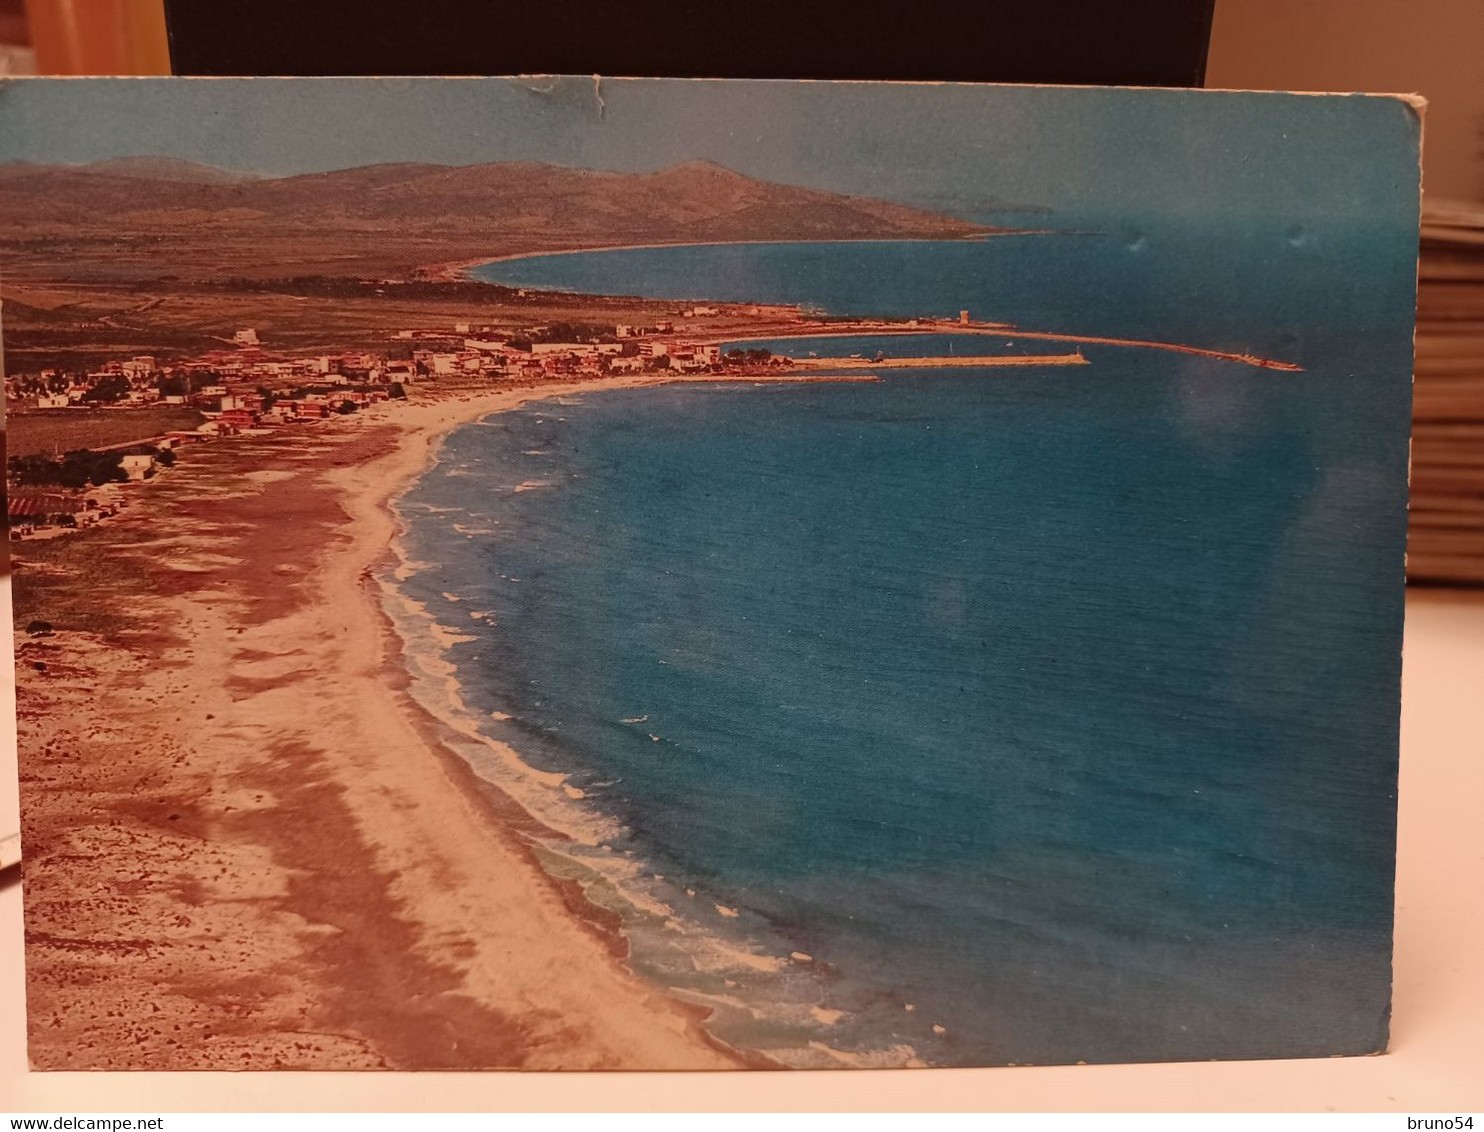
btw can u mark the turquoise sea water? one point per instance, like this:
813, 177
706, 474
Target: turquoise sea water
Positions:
1059, 705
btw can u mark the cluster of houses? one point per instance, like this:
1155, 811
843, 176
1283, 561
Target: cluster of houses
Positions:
237, 384
231, 406
500, 358
487, 352
246, 388
241, 380
31, 511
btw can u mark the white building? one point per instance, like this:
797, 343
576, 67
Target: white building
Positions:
137, 467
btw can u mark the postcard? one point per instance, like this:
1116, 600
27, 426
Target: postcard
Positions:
575, 574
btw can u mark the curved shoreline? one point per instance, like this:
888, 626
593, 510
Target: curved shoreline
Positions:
547, 817
370, 502
460, 269
296, 871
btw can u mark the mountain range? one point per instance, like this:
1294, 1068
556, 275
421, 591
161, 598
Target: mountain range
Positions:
141, 216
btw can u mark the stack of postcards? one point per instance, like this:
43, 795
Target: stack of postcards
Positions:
1446, 544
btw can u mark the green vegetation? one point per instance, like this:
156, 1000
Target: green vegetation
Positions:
756, 357
107, 390
33, 384
76, 469
181, 385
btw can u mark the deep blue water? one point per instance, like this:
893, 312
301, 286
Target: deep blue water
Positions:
1059, 704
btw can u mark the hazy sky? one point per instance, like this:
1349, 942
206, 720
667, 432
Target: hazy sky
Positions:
953, 146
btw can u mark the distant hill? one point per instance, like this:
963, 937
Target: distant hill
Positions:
167, 169
145, 216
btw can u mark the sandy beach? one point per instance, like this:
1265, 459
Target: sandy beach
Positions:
246, 846
460, 268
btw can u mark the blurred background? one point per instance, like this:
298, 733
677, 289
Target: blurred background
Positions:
1430, 47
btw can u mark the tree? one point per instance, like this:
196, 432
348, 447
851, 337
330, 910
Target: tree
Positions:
574, 332
106, 390
396, 391
84, 467
165, 457
31, 471
76, 469
345, 408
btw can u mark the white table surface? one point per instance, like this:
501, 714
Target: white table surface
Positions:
1436, 1063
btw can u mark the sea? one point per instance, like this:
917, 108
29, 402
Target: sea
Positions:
969, 716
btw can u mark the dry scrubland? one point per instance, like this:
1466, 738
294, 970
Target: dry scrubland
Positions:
50, 433
247, 847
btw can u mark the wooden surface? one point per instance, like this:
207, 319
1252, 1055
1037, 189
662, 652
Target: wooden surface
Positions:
1446, 540
99, 37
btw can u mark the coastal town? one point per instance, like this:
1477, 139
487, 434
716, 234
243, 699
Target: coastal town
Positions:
425, 660
249, 389
134, 413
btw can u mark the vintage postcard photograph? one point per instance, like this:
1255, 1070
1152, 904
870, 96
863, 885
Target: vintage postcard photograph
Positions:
575, 574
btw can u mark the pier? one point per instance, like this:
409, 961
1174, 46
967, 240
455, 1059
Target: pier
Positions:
951, 362
876, 329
